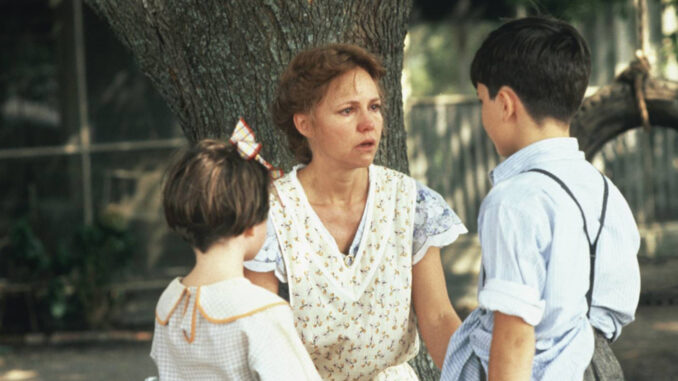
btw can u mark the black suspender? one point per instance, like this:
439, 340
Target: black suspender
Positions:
592, 245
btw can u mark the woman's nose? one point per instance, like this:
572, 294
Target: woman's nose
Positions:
366, 122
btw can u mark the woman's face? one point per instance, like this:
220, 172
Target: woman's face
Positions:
345, 127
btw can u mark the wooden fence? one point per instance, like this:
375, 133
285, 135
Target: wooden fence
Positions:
645, 168
450, 152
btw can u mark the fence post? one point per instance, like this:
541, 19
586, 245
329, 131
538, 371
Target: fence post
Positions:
74, 90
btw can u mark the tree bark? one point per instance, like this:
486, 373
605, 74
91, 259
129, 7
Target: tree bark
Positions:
613, 110
216, 60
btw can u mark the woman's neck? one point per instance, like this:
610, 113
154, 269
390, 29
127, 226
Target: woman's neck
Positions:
336, 186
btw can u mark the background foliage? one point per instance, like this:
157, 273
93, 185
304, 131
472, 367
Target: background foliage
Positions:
444, 34
70, 284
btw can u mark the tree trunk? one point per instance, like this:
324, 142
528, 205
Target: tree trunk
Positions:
216, 60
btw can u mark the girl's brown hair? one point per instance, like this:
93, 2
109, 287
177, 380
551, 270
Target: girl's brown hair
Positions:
212, 193
305, 82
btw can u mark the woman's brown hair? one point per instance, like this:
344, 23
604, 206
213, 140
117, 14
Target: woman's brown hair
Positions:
212, 193
305, 82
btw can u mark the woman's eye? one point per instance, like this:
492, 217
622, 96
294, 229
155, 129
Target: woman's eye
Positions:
376, 107
346, 111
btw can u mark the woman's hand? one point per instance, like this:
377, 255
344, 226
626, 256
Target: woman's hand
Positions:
437, 319
265, 280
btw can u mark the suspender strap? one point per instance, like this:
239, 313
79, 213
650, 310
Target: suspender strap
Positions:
592, 245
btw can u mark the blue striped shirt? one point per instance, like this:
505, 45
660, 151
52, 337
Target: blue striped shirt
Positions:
535, 263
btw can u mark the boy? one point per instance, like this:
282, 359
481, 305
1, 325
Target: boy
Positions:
535, 318
213, 323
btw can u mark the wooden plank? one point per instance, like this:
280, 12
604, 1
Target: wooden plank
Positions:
481, 156
467, 161
82, 117
647, 158
476, 143
659, 135
455, 180
76, 149
636, 168
613, 162
625, 163
672, 173
466, 135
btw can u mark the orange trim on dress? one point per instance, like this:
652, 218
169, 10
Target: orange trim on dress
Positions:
188, 299
207, 317
236, 317
169, 315
197, 304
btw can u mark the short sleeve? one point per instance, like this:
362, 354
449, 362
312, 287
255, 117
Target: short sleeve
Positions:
276, 351
435, 223
513, 269
269, 258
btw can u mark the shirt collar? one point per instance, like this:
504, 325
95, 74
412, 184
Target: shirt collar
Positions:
535, 154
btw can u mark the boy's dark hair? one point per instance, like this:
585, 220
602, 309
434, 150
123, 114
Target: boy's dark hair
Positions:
544, 60
212, 193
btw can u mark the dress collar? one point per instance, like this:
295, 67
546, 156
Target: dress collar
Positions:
212, 301
536, 153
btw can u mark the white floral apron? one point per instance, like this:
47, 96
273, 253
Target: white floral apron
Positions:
355, 320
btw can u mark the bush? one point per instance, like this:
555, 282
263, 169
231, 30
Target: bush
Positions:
71, 284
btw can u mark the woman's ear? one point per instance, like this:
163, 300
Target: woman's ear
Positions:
302, 121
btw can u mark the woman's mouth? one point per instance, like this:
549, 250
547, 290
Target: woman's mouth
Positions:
367, 144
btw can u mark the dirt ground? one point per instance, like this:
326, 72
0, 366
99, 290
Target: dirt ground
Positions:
97, 361
648, 350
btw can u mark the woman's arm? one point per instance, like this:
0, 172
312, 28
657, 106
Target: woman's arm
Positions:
266, 280
437, 319
512, 348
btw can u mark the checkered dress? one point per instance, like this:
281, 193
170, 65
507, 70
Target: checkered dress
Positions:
231, 330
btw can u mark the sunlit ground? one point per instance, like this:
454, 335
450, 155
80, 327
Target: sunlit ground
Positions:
647, 349
17, 374
119, 361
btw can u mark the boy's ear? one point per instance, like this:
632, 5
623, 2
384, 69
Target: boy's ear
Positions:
302, 122
509, 101
249, 232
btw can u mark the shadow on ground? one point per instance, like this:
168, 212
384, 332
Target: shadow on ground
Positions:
647, 349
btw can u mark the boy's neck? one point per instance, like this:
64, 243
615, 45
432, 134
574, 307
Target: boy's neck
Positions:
223, 260
531, 132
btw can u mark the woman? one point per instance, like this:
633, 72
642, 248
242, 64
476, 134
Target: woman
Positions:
359, 244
